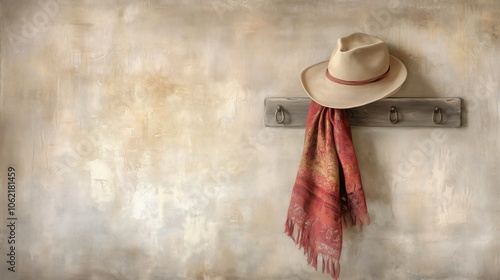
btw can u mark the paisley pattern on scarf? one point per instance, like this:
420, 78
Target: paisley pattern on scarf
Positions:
327, 189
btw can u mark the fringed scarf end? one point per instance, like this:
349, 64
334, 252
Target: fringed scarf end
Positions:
296, 232
331, 266
356, 219
299, 235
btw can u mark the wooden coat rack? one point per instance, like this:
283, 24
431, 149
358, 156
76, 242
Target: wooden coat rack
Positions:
388, 112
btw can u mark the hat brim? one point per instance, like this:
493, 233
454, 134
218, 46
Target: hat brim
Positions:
334, 95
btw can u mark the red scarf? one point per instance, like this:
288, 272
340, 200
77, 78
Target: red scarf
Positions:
327, 188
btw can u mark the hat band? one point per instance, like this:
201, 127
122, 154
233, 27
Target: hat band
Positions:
356, 83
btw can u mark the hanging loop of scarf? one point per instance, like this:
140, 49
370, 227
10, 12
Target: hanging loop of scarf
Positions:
327, 189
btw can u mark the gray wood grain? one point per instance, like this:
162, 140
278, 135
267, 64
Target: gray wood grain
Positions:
411, 112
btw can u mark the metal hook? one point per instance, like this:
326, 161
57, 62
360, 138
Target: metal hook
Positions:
279, 109
437, 112
395, 112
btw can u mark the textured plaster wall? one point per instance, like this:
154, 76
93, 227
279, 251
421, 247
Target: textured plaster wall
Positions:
136, 132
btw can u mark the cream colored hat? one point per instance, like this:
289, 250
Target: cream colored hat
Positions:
360, 71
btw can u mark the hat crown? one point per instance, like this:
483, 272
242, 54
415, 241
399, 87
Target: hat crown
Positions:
359, 57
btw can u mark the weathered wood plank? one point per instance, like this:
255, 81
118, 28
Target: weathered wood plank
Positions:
411, 112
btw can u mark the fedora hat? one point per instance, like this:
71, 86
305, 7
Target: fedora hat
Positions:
360, 71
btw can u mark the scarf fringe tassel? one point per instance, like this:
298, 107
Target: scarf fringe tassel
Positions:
356, 219
300, 235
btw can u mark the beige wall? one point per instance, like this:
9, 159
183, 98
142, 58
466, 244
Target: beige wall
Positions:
136, 131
